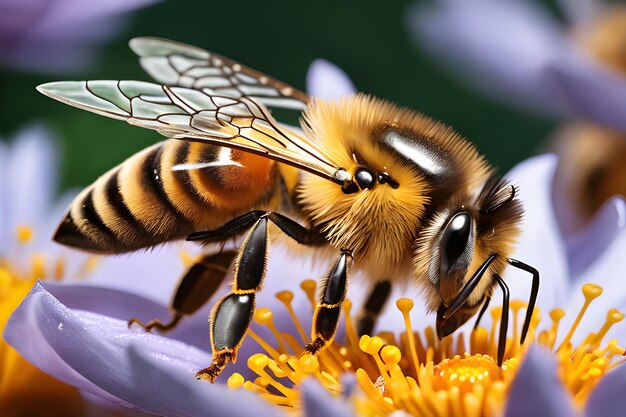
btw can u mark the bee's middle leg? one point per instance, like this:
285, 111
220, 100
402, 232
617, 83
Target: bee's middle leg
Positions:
232, 315
196, 287
373, 306
328, 309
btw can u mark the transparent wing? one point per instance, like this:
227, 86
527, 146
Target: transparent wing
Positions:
189, 114
177, 64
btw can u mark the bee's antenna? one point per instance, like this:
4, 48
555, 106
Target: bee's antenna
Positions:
533, 294
504, 318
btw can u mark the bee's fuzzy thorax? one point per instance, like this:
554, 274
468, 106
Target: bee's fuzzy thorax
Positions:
379, 224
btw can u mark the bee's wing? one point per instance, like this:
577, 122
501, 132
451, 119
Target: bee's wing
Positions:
194, 115
177, 64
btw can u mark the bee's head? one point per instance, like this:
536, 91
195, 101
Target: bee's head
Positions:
457, 241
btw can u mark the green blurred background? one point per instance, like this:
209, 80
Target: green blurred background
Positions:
367, 39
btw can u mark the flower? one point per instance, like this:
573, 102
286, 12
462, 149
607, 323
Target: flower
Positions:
28, 182
80, 335
518, 53
95, 351
59, 35
24, 166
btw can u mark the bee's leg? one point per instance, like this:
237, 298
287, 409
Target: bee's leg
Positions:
232, 315
375, 303
504, 319
326, 316
533, 294
291, 228
196, 287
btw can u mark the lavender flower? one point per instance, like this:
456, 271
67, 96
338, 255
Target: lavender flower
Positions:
59, 35
28, 215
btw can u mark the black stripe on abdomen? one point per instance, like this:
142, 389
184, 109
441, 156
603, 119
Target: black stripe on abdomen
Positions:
116, 201
91, 216
151, 178
182, 157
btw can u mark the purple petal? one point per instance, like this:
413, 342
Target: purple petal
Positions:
65, 12
59, 35
607, 398
28, 332
5, 234
537, 389
327, 81
193, 398
123, 306
502, 48
319, 403
591, 91
587, 246
96, 354
606, 270
151, 273
33, 166
540, 243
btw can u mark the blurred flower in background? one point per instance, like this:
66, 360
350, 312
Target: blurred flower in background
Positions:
519, 53
29, 214
27, 185
59, 35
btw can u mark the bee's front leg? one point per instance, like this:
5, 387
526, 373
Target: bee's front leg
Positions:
328, 310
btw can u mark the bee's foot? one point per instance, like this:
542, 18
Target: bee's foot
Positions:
157, 324
215, 369
314, 347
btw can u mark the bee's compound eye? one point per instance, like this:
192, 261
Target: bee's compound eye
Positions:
365, 178
454, 242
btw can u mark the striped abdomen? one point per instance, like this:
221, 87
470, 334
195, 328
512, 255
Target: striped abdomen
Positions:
143, 202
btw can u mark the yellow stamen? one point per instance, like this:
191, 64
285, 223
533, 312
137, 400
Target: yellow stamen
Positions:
309, 286
591, 292
24, 234
405, 305
18, 378
265, 317
286, 297
59, 269
39, 266
421, 375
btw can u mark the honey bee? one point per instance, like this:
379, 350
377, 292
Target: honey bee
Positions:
401, 196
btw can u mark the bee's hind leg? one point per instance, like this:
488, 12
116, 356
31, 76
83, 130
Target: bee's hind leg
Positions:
373, 306
196, 287
232, 315
328, 310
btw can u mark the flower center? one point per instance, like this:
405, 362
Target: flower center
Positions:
418, 373
463, 372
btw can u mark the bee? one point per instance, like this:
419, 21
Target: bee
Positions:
365, 182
